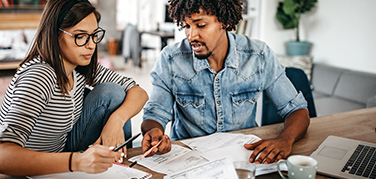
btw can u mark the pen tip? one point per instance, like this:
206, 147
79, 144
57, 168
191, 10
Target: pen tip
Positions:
130, 166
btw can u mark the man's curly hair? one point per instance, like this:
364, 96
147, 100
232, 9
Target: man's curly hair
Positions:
228, 12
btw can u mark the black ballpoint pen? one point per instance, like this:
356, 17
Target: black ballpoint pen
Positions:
126, 142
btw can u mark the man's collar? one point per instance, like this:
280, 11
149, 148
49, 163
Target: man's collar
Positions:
232, 58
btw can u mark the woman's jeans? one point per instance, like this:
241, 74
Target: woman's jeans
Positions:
98, 105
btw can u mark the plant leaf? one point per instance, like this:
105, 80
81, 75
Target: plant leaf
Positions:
289, 7
289, 11
305, 5
286, 21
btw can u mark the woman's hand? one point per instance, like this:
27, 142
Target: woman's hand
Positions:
96, 159
113, 135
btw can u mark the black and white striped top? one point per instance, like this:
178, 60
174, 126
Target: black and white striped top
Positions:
35, 114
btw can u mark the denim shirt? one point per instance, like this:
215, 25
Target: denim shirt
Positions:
199, 101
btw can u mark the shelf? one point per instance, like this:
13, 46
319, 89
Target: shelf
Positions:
22, 9
18, 17
9, 65
11, 21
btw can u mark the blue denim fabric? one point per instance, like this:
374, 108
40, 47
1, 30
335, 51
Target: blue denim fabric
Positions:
98, 105
200, 101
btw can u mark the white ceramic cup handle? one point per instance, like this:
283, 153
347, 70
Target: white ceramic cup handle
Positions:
279, 170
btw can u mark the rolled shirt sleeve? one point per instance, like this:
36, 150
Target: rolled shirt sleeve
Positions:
278, 86
160, 104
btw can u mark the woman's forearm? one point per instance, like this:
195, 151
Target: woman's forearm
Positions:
133, 103
18, 161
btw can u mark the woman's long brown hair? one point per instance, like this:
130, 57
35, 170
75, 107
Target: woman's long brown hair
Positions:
46, 45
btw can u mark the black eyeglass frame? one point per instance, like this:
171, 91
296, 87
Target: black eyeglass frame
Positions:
87, 39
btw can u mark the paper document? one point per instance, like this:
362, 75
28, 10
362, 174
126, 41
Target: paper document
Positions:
211, 148
228, 144
116, 171
220, 168
179, 158
239, 153
219, 140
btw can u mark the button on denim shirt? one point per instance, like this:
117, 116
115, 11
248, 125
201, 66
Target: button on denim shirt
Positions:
199, 101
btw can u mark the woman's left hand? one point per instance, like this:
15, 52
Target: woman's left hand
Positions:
113, 135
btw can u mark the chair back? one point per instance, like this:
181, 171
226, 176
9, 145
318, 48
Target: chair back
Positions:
300, 81
131, 46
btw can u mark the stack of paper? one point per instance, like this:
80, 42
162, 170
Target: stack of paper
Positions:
220, 168
178, 159
219, 149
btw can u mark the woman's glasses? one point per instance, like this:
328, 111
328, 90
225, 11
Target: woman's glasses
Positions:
82, 39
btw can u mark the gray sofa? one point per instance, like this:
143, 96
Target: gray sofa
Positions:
338, 90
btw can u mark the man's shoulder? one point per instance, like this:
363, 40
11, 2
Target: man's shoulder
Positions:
245, 43
178, 49
176, 59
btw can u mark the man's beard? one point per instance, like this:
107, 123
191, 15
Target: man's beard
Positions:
204, 56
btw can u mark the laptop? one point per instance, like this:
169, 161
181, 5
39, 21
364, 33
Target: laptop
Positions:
346, 158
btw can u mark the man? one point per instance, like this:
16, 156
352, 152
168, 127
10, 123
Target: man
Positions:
210, 82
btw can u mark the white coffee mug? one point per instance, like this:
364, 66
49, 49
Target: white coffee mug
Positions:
299, 167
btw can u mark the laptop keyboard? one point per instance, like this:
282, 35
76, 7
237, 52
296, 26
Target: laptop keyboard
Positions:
362, 162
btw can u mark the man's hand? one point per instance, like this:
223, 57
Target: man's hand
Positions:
269, 150
152, 138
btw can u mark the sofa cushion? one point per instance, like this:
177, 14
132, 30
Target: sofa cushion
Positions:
371, 102
317, 95
325, 78
30, 35
12, 38
332, 105
12, 45
356, 86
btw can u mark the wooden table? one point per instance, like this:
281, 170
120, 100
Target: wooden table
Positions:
358, 124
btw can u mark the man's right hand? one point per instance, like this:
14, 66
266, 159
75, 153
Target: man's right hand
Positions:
152, 138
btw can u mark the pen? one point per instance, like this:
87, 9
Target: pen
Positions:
145, 154
126, 142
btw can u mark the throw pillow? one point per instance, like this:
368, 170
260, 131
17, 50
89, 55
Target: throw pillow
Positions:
302, 62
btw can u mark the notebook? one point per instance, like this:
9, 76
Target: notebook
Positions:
346, 158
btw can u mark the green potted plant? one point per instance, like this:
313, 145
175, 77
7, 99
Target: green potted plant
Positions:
288, 14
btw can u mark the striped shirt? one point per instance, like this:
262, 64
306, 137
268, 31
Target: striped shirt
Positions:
36, 115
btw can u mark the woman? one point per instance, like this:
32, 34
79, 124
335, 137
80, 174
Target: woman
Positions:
47, 125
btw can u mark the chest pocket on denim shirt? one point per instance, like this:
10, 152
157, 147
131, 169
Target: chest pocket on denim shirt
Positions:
243, 104
192, 106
